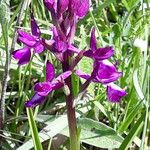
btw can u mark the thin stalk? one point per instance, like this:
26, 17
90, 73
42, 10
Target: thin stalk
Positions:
72, 123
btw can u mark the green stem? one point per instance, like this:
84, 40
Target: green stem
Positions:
72, 123
74, 144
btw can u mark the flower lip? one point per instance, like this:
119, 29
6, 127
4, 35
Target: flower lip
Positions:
115, 93
35, 100
23, 55
107, 72
43, 89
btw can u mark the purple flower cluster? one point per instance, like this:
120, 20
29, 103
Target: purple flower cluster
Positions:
103, 70
65, 15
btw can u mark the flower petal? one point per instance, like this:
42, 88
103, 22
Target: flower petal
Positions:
34, 27
38, 48
27, 42
115, 93
82, 7
23, 55
60, 46
93, 46
50, 72
43, 88
62, 5
73, 49
49, 4
89, 53
82, 74
35, 100
103, 53
63, 76
25, 35
57, 85
107, 72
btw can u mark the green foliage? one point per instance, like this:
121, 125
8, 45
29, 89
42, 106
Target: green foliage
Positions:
97, 134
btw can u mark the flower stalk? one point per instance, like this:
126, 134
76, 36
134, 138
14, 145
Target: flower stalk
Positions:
71, 115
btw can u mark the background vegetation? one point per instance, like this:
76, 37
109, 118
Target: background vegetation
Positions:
123, 24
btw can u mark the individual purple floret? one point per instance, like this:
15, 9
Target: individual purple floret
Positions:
105, 73
98, 53
42, 89
30, 41
115, 93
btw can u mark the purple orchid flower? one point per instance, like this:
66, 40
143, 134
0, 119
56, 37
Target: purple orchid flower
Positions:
42, 89
115, 93
30, 41
105, 72
98, 54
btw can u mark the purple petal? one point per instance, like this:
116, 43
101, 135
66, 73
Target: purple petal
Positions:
49, 4
89, 53
93, 46
82, 7
26, 35
50, 72
57, 85
23, 55
107, 72
27, 42
60, 46
62, 5
82, 74
115, 93
43, 88
54, 30
38, 48
35, 100
73, 49
63, 76
34, 27
103, 53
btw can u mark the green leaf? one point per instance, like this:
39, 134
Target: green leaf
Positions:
133, 132
4, 13
54, 127
34, 131
137, 86
97, 134
130, 118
